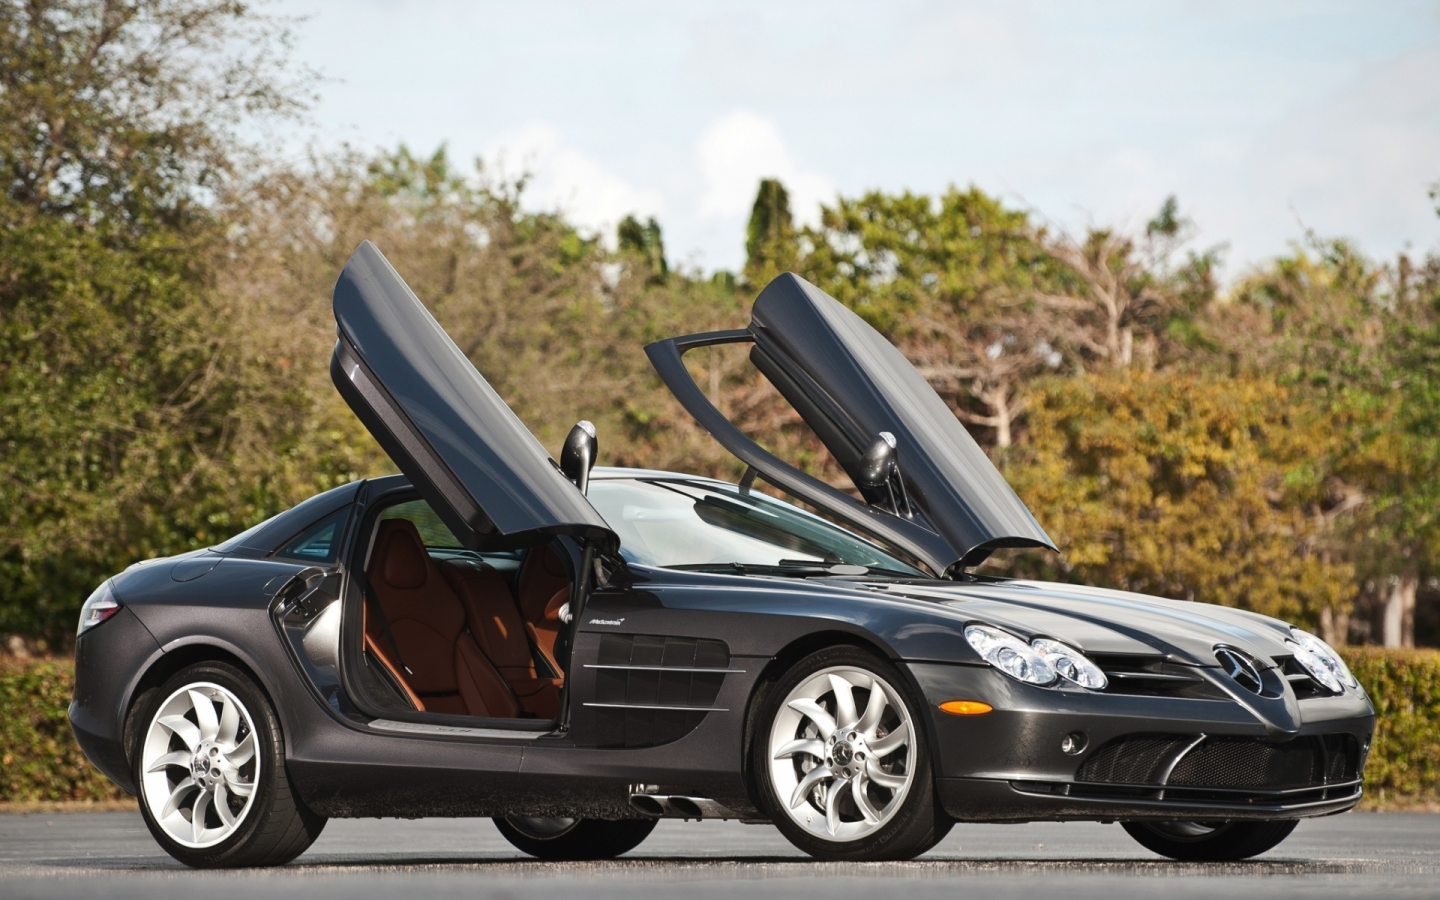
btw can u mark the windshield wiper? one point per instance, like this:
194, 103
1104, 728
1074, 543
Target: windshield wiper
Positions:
839, 568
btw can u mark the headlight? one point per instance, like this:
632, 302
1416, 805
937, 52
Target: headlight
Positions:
1321, 661
1009, 654
98, 607
1070, 664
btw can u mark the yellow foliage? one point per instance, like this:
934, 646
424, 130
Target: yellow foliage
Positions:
1186, 486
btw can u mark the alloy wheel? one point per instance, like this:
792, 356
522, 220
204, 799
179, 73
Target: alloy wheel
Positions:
842, 753
199, 767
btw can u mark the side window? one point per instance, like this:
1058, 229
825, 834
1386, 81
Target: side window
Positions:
317, 544
433, 533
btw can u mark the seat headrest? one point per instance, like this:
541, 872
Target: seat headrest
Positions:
550, 562
401, 555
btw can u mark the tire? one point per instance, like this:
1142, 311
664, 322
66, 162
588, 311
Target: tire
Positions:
1210, 841
574, 839
799, 733
211, 727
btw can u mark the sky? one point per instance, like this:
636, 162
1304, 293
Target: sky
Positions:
1266, 120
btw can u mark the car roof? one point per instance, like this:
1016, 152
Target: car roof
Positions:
599, 473
616, 473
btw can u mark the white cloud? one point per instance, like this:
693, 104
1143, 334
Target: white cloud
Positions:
592, 196
736, 151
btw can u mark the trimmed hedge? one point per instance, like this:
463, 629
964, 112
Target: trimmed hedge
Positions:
39, 760
1404, 685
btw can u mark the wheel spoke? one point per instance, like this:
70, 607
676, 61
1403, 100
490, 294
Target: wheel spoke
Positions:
229, 726
829, 756
182, 790
237, 787
881, 777
845, 715
813, 748
874, 709
802, 790
178, 758
205, 715
862, 802
197, 814
815, 713
184, 728
222, 806
832, 806
886, 745
243, 751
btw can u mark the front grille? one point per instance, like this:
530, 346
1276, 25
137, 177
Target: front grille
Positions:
1153, 676
1137, 759
1343, 753
1223, 763
1245, 763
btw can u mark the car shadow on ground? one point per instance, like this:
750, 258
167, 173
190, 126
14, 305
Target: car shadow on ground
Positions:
736, 867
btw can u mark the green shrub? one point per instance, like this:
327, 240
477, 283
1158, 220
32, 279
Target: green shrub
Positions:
39, 760
1404, 685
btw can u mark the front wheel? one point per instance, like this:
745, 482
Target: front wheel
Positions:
1210, 841
211, 769
574, 839
841, 762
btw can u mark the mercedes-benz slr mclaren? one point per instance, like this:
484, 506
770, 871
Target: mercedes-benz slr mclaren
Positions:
578, 652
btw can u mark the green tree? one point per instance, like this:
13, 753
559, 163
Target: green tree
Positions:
118, 132
645, 242
1354, 341
1390, 457
952, 280
1179, 485
770, 247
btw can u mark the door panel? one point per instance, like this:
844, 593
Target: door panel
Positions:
441, 422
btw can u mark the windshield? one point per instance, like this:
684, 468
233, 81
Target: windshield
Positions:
693, 524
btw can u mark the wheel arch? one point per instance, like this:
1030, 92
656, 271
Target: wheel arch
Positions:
177, 656
793, 653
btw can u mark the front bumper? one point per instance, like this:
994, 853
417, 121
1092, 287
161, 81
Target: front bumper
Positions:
1008, 765
987, 800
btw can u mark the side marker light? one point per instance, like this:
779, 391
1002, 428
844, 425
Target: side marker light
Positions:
965, 707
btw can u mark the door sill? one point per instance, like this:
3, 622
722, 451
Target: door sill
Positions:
504, 734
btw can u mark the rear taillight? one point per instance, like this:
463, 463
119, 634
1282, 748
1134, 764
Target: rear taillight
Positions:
98, 607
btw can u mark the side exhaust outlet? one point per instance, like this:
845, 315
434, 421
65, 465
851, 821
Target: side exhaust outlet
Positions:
677, 806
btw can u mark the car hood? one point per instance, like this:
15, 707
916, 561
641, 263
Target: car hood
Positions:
950, 507
1109, 622
464, 450
1108, 625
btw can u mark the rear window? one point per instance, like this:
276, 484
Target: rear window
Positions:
318, 543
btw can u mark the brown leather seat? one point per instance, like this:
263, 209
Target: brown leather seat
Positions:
496, 625
543, 587
446, 669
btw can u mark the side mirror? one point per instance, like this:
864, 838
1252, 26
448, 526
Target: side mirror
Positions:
577, 457
878, 463
879, 476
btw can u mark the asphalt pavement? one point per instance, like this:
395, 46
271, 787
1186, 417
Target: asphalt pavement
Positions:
110, 854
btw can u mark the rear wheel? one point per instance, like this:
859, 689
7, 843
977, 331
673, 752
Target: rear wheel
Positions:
211, 770
841, 762
574, 839
1210, 841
